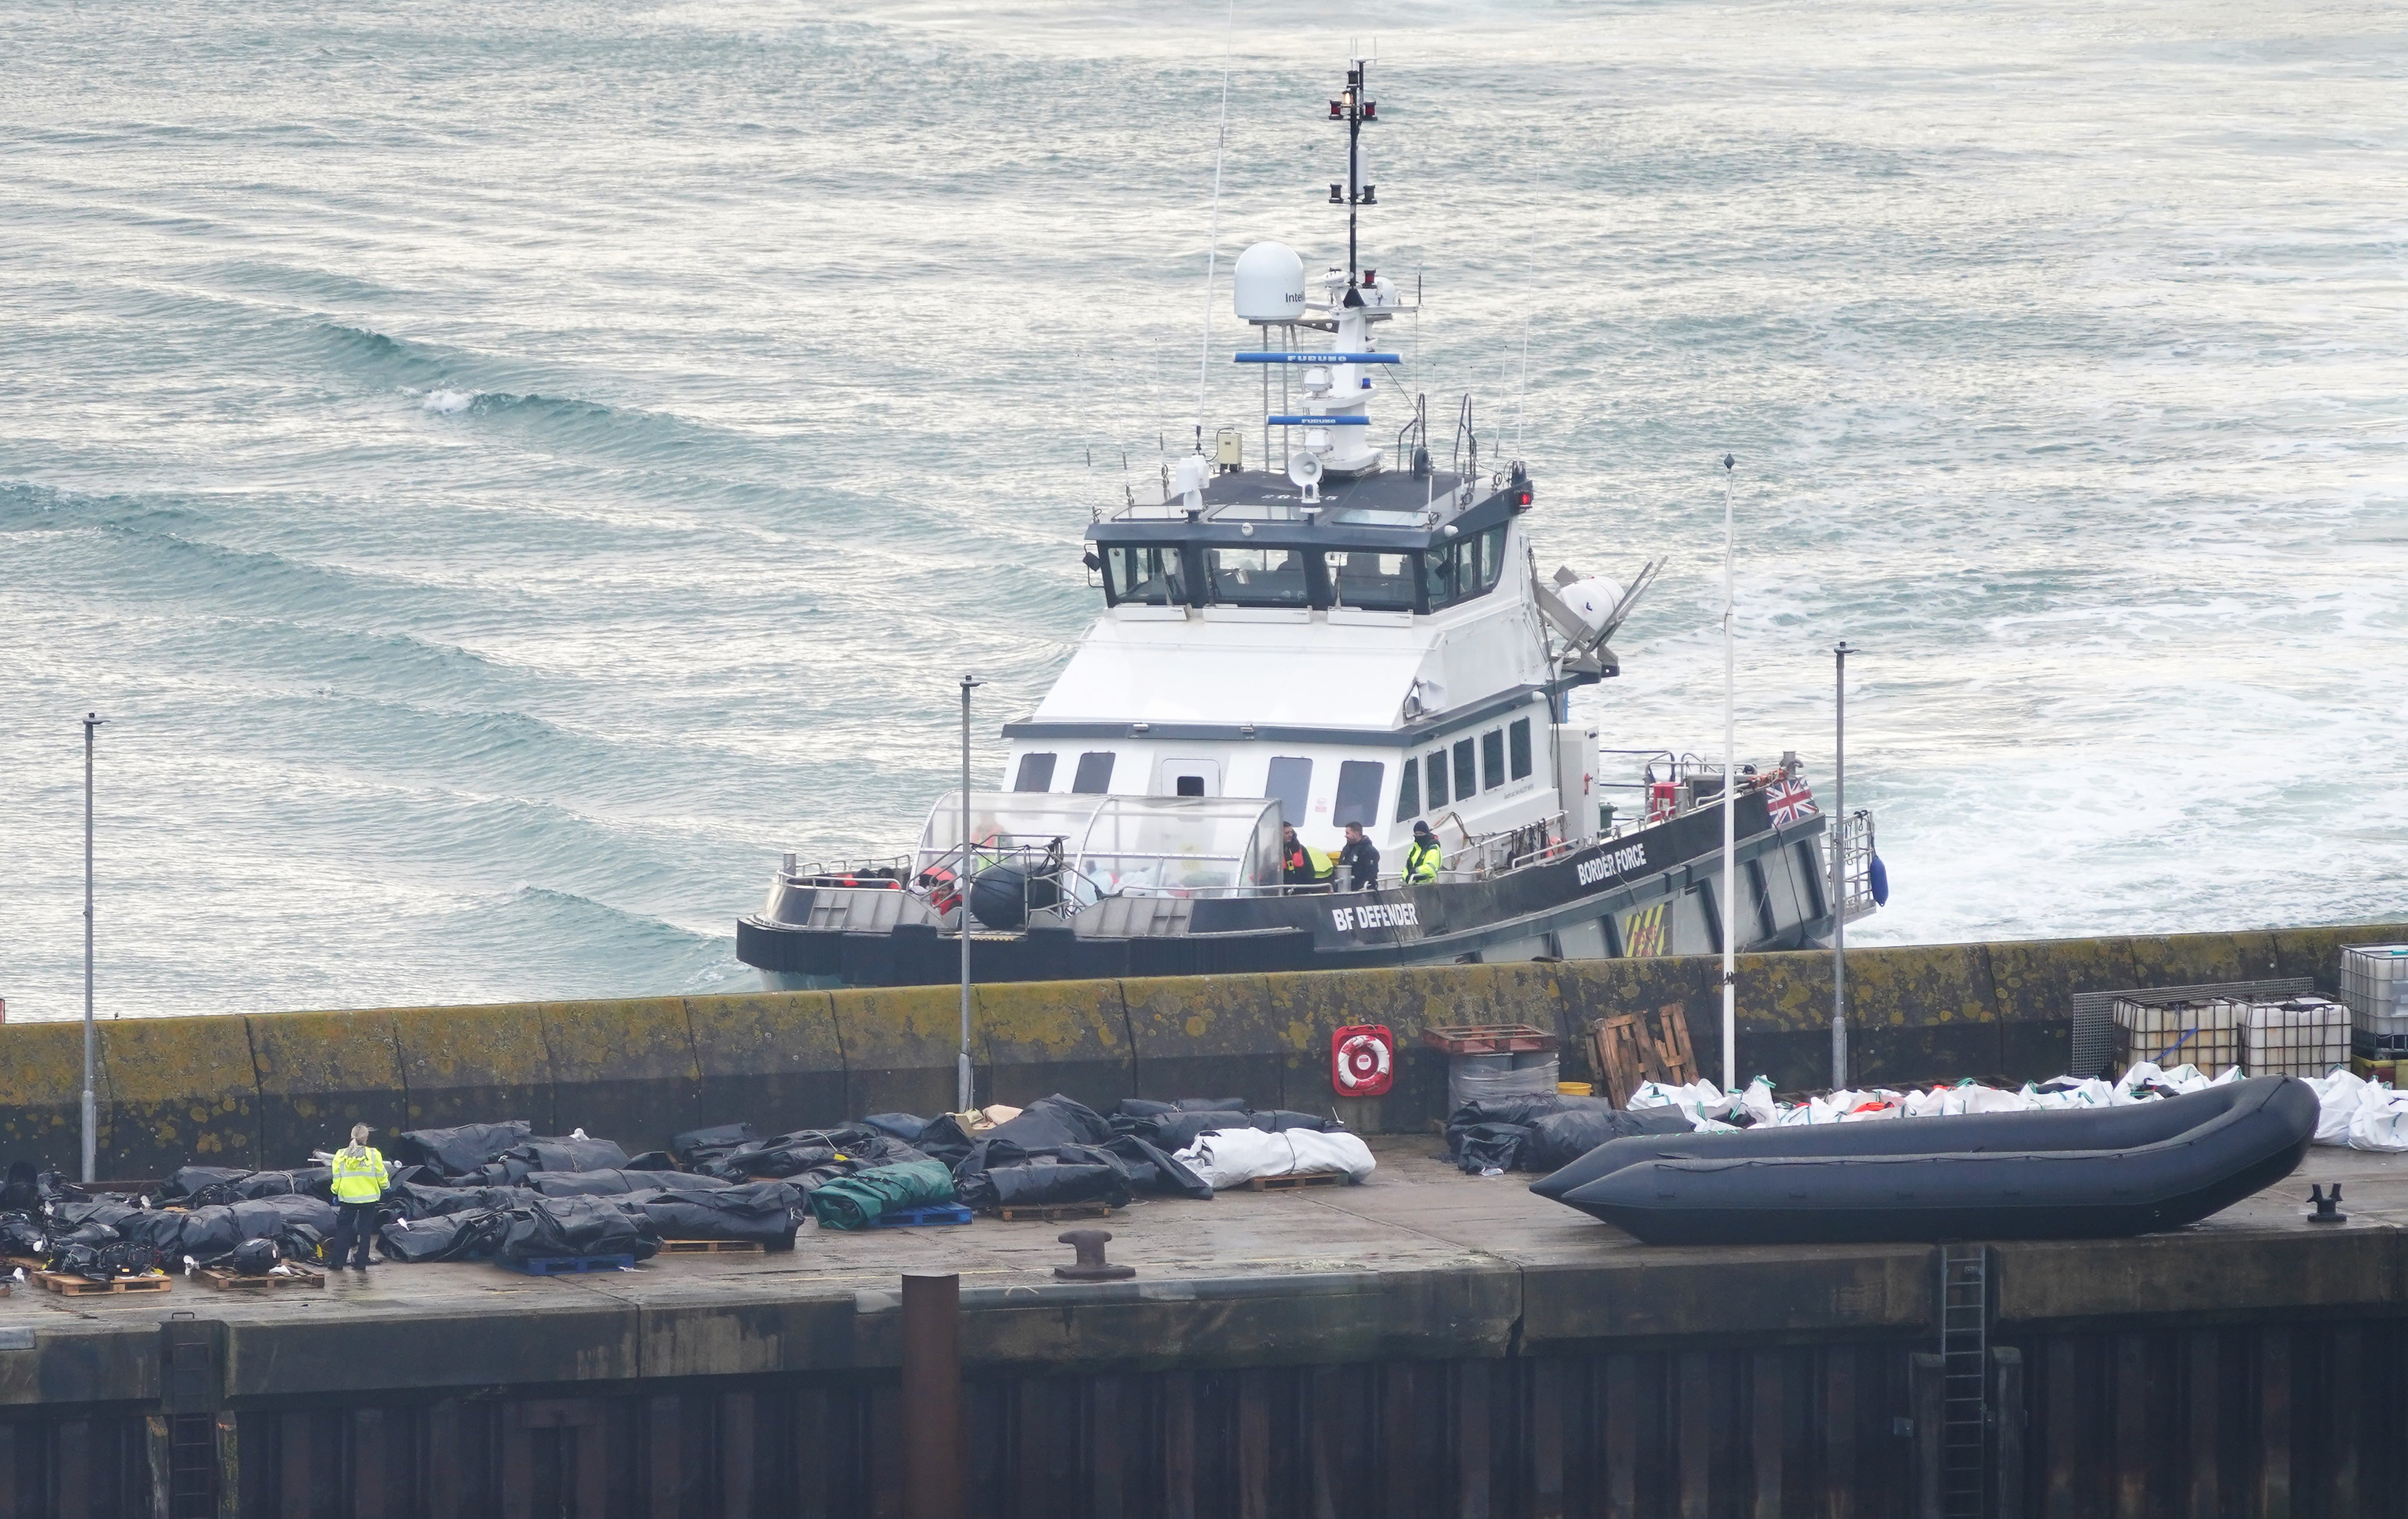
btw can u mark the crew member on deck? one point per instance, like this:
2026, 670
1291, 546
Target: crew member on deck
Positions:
1422, 857
1361, 858
1301, 865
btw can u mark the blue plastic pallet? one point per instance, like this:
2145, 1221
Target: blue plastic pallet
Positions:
905, 1218
568, 1265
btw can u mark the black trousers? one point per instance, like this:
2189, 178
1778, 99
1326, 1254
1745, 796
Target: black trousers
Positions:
354, 1221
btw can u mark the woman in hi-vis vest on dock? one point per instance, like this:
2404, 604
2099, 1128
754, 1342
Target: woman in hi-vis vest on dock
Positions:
359, 1187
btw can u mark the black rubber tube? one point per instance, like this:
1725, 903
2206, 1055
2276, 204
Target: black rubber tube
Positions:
2074, 1128
1718, 1195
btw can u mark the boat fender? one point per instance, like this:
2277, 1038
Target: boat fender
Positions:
1879, 880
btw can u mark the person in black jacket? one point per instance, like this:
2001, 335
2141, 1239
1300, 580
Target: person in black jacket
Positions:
1361, 858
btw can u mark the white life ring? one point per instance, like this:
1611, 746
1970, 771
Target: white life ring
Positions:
1362, 1061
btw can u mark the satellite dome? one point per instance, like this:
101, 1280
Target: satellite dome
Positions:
1269, 284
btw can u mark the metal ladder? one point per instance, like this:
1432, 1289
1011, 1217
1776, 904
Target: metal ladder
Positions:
192, 1467
1965, 1362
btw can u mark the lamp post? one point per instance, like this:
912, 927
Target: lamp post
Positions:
962, 887
1731, 816
92, 720
1839, 653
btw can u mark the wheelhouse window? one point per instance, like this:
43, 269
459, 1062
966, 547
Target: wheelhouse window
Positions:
1256, 577
1291, 782
1372, 582
1095, 776
1409, 791
1465, 568
1492, 759
1358, 793
1436, 765
1145, 576
1466, 780
1036, 773
1517, 741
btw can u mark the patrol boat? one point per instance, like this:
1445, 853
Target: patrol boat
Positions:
1361, 636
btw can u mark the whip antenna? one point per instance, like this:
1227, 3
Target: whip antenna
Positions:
1212, 252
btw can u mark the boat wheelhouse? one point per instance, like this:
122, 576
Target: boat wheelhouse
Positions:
1360, 637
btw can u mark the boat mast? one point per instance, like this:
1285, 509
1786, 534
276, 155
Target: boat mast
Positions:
1353, 109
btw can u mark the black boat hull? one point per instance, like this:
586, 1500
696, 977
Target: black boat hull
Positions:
2005, 1176
1519, 915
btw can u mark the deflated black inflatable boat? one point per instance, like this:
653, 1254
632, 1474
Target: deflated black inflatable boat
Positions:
2085, 1174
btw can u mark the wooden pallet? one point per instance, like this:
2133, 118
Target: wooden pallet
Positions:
1487, 1039
1625, 1052
76, 1286
711, 1247
1053, 1213
233, 1281
1296, 1182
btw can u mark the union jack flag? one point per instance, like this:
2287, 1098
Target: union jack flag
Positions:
1790, 801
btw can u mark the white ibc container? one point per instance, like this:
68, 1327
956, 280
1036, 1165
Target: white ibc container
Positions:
2305, 1036
2375, 984
2175, 1031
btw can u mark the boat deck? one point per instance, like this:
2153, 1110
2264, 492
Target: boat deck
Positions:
1420, 1260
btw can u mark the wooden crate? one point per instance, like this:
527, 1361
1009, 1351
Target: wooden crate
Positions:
226, 1281
1297, 1181
76, 1286
1627, 1050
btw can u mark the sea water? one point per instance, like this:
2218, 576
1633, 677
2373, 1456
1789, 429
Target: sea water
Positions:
505, 474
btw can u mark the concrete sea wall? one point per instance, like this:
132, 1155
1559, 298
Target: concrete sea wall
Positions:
263, 1090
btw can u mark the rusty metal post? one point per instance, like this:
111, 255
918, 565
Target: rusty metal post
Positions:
1924, 1375
934, 1441
155, 1445
2008, 1420
229, 1440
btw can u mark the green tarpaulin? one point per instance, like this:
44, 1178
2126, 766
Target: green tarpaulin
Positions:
856, 1201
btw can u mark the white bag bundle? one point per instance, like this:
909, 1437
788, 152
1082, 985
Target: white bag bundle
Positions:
2381, 1122
2337, 1096
1234, 1155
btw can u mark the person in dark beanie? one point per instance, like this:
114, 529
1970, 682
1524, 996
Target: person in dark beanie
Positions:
1361, 858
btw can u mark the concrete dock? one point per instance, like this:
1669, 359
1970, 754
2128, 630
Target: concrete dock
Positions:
1425, 1342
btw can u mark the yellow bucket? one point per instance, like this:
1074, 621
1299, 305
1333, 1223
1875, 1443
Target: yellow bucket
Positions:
1574, 1089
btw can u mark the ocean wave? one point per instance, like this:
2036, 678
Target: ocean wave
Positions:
159, 553
570, 427
25, 507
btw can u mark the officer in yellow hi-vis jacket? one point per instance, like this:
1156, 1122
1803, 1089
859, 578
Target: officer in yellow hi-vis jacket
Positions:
1422, 857
359, 1187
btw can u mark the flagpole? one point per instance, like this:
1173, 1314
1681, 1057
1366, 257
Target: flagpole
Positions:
1730, 813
